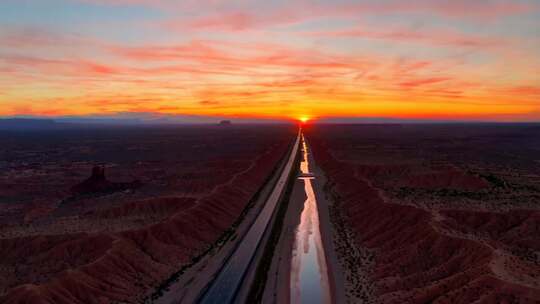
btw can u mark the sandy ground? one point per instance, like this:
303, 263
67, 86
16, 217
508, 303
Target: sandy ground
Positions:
278, 285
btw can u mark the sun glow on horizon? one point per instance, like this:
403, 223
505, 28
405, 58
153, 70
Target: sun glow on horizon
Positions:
304, 119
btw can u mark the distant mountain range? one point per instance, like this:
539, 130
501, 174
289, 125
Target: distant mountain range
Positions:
28, 124
68, 122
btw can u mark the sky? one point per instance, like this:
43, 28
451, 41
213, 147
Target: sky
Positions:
415, 59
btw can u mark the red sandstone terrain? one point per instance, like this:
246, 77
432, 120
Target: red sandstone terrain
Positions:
159, 198
435, 214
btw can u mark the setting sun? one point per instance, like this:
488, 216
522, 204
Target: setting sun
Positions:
304, 119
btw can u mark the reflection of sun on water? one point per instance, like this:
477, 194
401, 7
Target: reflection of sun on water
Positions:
309, 272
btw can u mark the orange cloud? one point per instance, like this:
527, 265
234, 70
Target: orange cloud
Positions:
282, 74
423, 81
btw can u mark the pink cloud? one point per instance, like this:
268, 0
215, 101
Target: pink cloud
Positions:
239, 19
423, 81
194, 50
224, 56
454, 8
465, 8
483, 9
57, 67
33, 37
437, 37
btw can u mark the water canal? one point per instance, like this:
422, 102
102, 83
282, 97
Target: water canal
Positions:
309, 270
